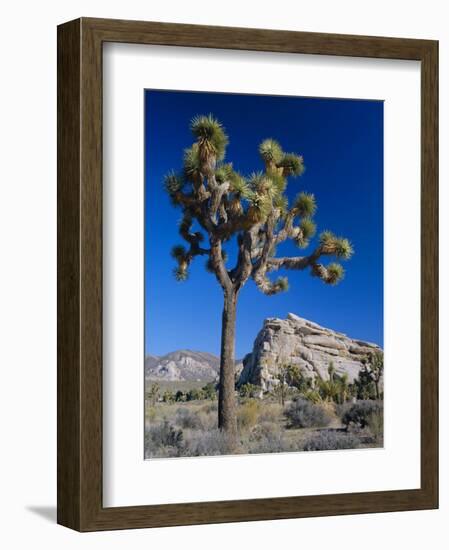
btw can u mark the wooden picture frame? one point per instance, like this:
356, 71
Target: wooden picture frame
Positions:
80, 503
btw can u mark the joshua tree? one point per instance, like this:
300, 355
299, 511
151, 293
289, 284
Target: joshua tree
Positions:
220, 204
375, 363
344, 386
168, 396
280, 390
153, 394
331, 371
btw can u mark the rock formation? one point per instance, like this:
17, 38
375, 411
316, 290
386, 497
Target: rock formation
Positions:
297, 341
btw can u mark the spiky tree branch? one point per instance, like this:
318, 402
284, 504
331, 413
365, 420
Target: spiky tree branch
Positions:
224, 204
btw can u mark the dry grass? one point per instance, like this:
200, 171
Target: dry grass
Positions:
248, 414
190, 429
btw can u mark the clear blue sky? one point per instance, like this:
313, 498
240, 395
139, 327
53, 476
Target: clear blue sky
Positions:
342, 145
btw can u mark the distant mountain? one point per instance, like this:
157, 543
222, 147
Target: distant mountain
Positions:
150, 362
182, 365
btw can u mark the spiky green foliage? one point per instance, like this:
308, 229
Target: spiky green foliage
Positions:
281, 201
181, 274
210, 135
173, 183
260, 207
269, 186
344, 248
259, 199
270, 151
278, 183
335, 273
308, 228
305, 205
293, 165
239, 185
192, 166
326, 237
259, 182
224, 172
281, 284
336, 246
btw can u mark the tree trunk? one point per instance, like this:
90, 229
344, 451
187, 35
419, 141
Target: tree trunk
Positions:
227, 418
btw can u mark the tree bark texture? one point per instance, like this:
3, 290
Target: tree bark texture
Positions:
227, 418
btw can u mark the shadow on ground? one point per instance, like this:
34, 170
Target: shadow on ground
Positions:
46, 512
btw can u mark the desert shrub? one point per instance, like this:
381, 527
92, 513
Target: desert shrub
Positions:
195, 394
186, 418
329, 440
364, 386
271, 412
313, 396
208, 420
360, 413
342, 408
180, 396
281, 392
248, 414
298, 379
165, 434
206, 443
209, 391
249, 390
267, 437
163, 440
168, 397
153, 394
329, 390
270, 437
302, 413
376, 426
264, 429
151, 414
274, 444
209, 408
335, 389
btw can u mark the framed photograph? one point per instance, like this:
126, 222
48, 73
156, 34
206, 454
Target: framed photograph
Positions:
247, 274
